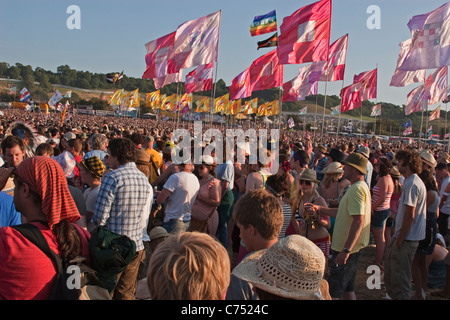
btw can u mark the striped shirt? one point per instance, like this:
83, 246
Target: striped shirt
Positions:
121, 201
386, 204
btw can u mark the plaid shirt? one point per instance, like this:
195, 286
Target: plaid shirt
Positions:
121, 200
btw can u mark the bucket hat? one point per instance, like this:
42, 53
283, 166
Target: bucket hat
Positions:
358, 161
309, 175
158, 232
364, 151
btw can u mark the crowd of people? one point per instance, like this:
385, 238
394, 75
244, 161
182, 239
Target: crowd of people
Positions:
220, 229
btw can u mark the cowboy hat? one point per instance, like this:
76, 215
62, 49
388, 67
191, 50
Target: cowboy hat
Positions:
291, 268
428, 158
334, 167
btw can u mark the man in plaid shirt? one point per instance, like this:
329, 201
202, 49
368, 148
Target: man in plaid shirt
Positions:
120, 204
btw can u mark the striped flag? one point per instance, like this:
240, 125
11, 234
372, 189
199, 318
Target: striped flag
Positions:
25, 95
264, 24
436, 85
291, 123
407, 131
376, 111
436, 114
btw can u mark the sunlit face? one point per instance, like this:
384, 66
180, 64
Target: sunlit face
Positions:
14, 156
307, 186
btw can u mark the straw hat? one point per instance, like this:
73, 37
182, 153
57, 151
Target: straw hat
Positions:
358, 161
334, 167
291, 268
309, 175
428, 158
395, 173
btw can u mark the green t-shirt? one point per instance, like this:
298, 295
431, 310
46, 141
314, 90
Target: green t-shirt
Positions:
356, 201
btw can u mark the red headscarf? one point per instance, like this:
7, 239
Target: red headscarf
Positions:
45, 176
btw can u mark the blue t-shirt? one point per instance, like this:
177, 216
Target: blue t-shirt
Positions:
8, 213
225, 171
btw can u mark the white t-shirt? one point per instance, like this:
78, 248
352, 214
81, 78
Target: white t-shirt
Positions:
90, 196
446, 206
184, 187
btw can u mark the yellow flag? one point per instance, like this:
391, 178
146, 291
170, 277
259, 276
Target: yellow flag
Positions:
251, 106
262, 109
63, 115
235, 107
132, 99
222, 102
153, 99
116, 98
203, 105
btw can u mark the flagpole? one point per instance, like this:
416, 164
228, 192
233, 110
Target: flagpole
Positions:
340, 108
421, 127
213, 93
324, 106
280, 109
426, 126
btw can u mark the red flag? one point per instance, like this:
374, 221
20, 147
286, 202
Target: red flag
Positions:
366, 84
301, 86
416, 100
266, 72
305, 35
240, 86
170, 78
436, 85
336, 62
350, 99
200, 79
197, 41
157, 58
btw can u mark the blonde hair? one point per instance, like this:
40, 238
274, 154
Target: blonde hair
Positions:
189, 266
330, 178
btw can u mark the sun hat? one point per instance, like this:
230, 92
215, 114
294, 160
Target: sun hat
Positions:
395, 173
444, 157
207, 159
334, 167
336, 155
364, 151
291, 268
69, 136
309, 175
158, 232
67, 162
94, 165
358, 161
428, 158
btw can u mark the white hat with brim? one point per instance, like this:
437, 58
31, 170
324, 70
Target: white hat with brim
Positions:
291, 268
334, 167
428, 158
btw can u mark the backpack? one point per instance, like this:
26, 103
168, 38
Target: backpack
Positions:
66, 287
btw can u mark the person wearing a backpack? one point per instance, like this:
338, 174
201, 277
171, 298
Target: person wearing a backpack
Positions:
42, 197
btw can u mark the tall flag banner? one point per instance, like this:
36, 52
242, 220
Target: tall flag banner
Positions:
404, 78
350, 99
168, 103
430, 47
55, 98
264, 24
168, 79
240, 86
117, 97
262, 110
303, 111
132, 99
203, 105
273, 108
415, 100
436, 114
407, 124
366, 84
200, 79
250, 106
436, 85
336, 62
291, 123
25, 95
301, 86
185, 102
305, 35
153, 99
336, 110
157, 58
197, 42
266, 72
221, 103
13, 90
270, 42
235, 106
376, 111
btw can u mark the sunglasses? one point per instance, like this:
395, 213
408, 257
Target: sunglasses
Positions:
305, 182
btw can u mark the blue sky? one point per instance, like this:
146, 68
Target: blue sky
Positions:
113, 34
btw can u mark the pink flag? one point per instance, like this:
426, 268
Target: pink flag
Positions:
416, 100
157, 60
430, 47
266, 72
305, 35
197, 41
240, 87
436, 114
436, 85
170, 78
200, 79
404, 78
336, 64
366, 84
350, 99
300, 87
